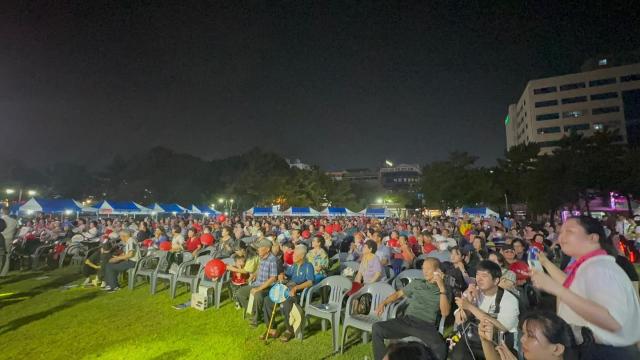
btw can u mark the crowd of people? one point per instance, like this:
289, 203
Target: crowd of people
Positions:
506, 287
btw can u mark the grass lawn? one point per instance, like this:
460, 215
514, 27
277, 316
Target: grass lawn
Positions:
39, 319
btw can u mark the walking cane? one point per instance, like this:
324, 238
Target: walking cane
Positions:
273, 312
278, 294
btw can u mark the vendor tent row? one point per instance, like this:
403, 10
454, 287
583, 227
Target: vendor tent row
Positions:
109, 207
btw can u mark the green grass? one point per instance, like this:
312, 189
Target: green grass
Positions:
41, 320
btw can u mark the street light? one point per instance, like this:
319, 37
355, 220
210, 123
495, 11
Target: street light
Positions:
10, 191
220, 200
379, 201
32, 193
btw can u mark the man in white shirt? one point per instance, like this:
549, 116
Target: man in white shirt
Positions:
8, 234
489, 302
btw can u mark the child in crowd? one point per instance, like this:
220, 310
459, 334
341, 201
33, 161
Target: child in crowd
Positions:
238, 279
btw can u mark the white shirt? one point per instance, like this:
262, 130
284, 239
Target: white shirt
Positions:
509, 309
178, 241
602, 281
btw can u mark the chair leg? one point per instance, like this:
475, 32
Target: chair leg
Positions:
218, 294
323, 324
365, 337
154, 282
343, 338
335, 329
172, 288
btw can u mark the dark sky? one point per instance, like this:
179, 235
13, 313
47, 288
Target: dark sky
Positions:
332, 84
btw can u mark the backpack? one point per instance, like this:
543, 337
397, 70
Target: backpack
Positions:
528, 297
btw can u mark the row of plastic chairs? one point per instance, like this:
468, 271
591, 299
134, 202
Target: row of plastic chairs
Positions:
339, 286
155, 267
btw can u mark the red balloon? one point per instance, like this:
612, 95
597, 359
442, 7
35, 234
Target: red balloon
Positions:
306, 234
165, 245
215, 269
147, 243
221, 218
207, 239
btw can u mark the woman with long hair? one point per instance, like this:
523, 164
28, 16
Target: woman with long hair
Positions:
545, 336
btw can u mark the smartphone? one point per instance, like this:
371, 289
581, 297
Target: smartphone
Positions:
533, 260
498, 337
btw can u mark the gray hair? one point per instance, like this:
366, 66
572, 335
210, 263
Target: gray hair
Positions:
301, 248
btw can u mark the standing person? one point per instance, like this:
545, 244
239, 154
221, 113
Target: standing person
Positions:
262, 280
594, 292
427, 298
6, 237
123, 262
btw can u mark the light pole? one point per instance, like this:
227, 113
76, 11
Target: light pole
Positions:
31, 193
228, 205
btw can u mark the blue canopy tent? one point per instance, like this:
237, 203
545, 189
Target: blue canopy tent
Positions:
337, 211
380, 213
262, 211
50, 206
204, 210
173, 208
301, 211
120, 207
167, 208
480, 211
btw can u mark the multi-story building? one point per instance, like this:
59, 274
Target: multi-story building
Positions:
402, 177
298, 164
604, 98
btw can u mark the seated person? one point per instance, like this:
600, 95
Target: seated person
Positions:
370, 269
426, 298
193, 244
298, 277
123, 262
239, 278
96, 262
262, 280
318, 257
410, 351
544, 336
486, 301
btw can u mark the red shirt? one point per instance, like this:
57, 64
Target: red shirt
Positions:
428, 247
239, 278
192, 244
288, 257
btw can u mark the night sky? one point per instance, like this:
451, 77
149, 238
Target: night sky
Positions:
332, 84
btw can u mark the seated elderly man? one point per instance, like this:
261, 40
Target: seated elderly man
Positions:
263, 279
427, 298
123, 262
298, 277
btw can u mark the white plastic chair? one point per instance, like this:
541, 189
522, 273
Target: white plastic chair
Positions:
216, 285
379, 291
331, 311
408, 275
